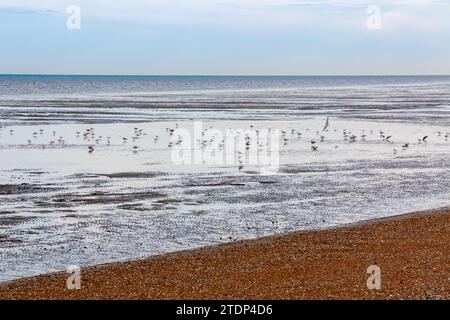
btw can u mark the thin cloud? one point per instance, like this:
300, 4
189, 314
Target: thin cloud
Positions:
273, 14
201, 4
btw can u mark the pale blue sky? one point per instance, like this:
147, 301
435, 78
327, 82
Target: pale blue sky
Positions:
225, 37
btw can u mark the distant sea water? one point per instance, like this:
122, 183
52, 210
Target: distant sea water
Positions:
333, 95
63, 204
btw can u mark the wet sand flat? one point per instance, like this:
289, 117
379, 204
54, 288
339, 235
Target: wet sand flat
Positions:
69, 206
412, 252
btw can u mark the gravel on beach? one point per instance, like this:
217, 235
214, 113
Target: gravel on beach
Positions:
412, 252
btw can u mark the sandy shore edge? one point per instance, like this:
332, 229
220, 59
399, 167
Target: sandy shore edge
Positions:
412, 251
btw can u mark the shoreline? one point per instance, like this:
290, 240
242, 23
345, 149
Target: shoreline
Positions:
315, 264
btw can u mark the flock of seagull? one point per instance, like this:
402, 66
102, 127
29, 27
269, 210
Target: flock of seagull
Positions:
89, 135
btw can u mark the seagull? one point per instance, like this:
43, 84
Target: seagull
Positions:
424, 139
241, 163
91, 149
314, 148
327, 123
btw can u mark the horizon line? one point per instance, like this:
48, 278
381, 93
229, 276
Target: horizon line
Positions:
219, 75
